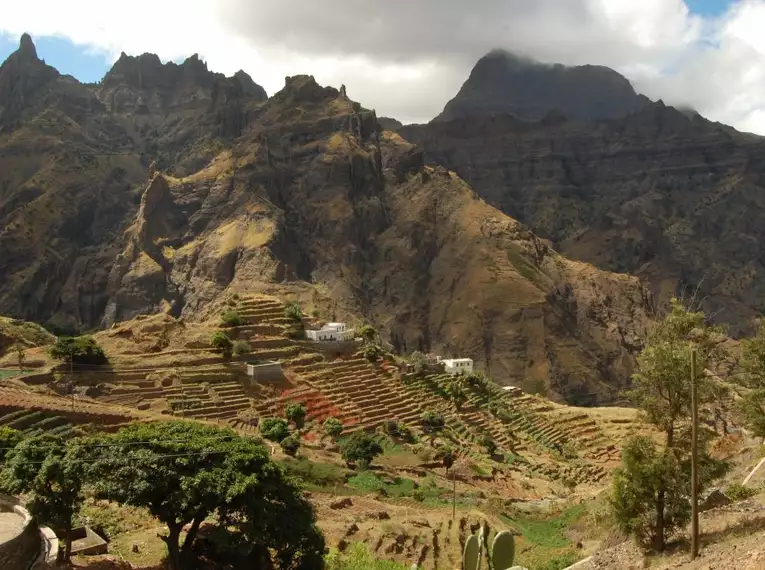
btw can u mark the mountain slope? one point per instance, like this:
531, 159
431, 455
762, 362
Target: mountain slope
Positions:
667, 196
503, 83
302, 188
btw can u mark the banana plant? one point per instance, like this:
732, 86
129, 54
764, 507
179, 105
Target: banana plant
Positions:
499, 554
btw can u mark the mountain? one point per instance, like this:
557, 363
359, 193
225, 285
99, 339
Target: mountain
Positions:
164, 186
662, 194
503, 83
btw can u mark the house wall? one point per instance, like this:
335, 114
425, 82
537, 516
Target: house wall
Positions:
266, 372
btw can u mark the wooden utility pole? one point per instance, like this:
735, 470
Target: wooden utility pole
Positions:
694, 461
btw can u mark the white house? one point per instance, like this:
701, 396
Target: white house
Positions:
331, 332
455, 366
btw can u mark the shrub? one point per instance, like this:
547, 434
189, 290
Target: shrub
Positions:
390, 427
738, 492
231, 318
290, 445
220, 341
333, 428
241, 347
432, 422
295, 413
489, 445
275, 429
360, 449
293, 312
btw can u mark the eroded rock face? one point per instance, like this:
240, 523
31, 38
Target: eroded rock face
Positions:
661, 194
504, 84
309, 190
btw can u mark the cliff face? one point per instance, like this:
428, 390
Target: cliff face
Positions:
502, 83
674, 199
306, 189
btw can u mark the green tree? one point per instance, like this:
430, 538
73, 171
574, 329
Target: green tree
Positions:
432, 423
368, 333
489, 445
9, 438
241, 347
49, 471
184, 473
220, 341
295, 413
231, 318
290, 445
333, 428
752, 364
275, 429
448, 457
360, 449
78, 350
662, 391
20, 354
293, 312
647, 471
457, 393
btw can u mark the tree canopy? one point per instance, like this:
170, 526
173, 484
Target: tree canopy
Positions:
78, 350
361, 449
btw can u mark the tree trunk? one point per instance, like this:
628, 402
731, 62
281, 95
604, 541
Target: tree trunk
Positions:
68, 543
191, 535
171, 540
658, 539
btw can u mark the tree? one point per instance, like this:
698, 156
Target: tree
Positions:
752, 410
293, 312
662, 391
20, 354
240, 347
360, 449
220, 341
647, 471
9, 438
333, 428
752, 364
184, 473
368, 333
457, 393
78, 350
432, 423
489, 445
275, 429
48, 469
231, 318
447, 458
290, 445
295, 413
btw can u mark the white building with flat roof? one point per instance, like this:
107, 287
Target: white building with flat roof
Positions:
331, 332
455, 366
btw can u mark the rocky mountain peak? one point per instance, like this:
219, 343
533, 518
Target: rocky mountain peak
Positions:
249, 87
505, 83
303, 88
27, 50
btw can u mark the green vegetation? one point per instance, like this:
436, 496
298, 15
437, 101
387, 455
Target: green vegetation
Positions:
275, 429
333, 428
650, 492
360, 450
319, 475
432, 423
78, 350
293, 312
9, 438
368, 333
231, 318
500, 551
290, 445
295, 413
357, 557
241, 347
737, 492
221, 342
752, 405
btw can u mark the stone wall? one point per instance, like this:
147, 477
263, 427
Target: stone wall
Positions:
265, 371
20, 551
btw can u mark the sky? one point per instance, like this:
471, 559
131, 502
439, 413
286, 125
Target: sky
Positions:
407, 58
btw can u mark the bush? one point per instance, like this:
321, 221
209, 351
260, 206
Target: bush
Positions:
290, 445
231, 318
241, 347
295, 413
220, 341
293, 312
432, 422
738, 492
360, 449
78, 350
333, 428
275, 429
489, 445
390, 427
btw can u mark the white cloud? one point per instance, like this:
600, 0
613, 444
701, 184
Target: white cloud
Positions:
407, 58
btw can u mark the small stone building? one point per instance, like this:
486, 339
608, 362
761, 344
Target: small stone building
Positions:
331, 332
456, 366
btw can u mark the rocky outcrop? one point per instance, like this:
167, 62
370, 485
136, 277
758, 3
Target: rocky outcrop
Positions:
503, 83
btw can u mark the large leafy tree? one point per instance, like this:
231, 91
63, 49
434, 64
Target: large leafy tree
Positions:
78, 350
662, 391
184, 473
752, 364
360, 449
50, 471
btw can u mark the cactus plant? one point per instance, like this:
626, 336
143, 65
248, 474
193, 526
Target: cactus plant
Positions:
499, 552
